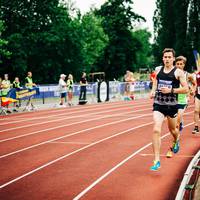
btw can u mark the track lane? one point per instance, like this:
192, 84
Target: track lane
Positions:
82, 158
61, 132
50, 151
8, 119
133, 179
51, 123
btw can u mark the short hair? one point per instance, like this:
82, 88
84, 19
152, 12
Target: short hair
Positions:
181, 58
169, 50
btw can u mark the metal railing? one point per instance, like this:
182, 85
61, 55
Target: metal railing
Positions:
187, 176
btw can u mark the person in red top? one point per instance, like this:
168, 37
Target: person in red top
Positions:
197, 102
152, 78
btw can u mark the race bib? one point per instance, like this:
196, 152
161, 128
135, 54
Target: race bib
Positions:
164, 83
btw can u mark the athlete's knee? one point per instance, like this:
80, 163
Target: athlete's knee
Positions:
156, 131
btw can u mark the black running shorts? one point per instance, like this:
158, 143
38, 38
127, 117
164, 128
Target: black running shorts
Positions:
166, 110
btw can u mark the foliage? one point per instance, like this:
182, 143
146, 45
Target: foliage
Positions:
176, 25
94, 40
50, 37
144, 57
3, 51
120, 53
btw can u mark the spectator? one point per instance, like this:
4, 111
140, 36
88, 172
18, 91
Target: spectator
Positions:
16, 85
29, 84
6, 86
29, 81
62, 88
70, 83
132, 85
83, 89
127, 86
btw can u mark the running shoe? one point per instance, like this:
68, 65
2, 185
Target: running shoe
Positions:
169, 153
176, 146
196, 130
181, 126
155, 166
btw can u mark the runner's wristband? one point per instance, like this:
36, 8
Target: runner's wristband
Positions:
172, 90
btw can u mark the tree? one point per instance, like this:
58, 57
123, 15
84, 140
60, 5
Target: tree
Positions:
176, 25
42, 39
164, 27
3, 51
144, 57
193, 27
120, 53
93, 39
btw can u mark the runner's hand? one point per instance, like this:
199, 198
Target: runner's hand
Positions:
152, 94
165, 90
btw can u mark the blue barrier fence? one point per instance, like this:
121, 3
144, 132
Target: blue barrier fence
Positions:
115, 88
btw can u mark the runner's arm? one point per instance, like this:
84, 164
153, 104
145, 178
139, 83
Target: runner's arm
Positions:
183, 82
192, 80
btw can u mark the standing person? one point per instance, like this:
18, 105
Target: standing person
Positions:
165, 88
16, 85
29, 84
29, 81
5, 85
62, 88
127, 85
5, 88
83, 89
197, 102
70, 83
132, 85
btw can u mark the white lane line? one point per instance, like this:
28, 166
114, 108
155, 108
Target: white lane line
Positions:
72, 153
57, 115
64, 118
74, 112
70, 142
66, 125
81, 194
68, 135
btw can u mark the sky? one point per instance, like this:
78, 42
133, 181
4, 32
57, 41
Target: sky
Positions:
144, 8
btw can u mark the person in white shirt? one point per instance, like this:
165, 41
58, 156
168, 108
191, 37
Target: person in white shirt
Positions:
62, 88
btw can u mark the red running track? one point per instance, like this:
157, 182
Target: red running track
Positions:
100, 151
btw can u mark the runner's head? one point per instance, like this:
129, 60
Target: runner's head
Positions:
168, 57
180, 62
